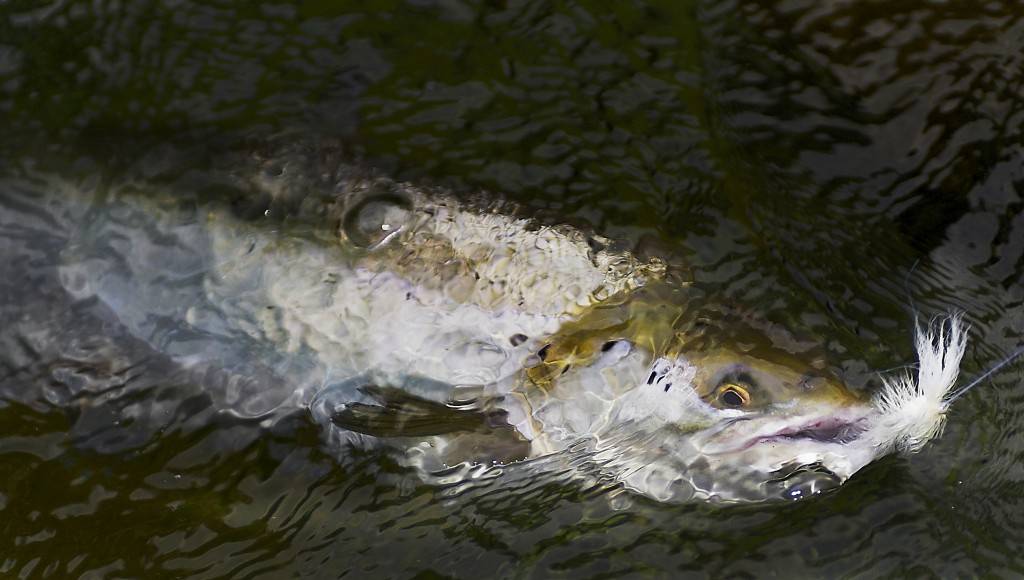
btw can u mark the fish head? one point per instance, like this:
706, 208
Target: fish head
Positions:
773, 428
731, 424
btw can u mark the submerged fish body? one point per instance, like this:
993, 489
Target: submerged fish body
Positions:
471, 335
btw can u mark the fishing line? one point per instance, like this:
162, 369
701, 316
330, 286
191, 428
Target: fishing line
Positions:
1012, 357
906, 287
961, 391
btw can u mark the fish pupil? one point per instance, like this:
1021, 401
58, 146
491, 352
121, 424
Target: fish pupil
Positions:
732, 398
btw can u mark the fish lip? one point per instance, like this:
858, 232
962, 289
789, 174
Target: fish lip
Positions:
827, 429
830, 429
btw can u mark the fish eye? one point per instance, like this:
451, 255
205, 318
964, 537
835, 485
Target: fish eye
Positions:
733, 395
377, 218
608, 345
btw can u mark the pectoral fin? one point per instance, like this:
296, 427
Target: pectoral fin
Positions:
403, 415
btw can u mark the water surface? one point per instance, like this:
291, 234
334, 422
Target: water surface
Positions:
834, 167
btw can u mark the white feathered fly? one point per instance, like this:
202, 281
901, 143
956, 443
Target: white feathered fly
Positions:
913, 408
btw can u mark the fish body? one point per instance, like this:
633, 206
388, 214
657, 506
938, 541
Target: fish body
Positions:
472, 335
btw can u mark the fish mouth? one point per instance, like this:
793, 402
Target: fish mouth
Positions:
824, 430
830, 429
793, 457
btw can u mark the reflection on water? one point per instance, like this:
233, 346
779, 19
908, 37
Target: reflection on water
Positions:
801, 158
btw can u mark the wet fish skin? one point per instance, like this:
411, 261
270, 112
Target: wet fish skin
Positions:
566, 342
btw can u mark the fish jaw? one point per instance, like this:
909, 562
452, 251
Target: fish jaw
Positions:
786, 456
839, 426
771, 462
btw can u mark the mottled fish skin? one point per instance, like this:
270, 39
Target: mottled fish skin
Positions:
448, 294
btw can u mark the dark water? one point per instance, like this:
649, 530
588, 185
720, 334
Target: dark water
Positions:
822, 164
